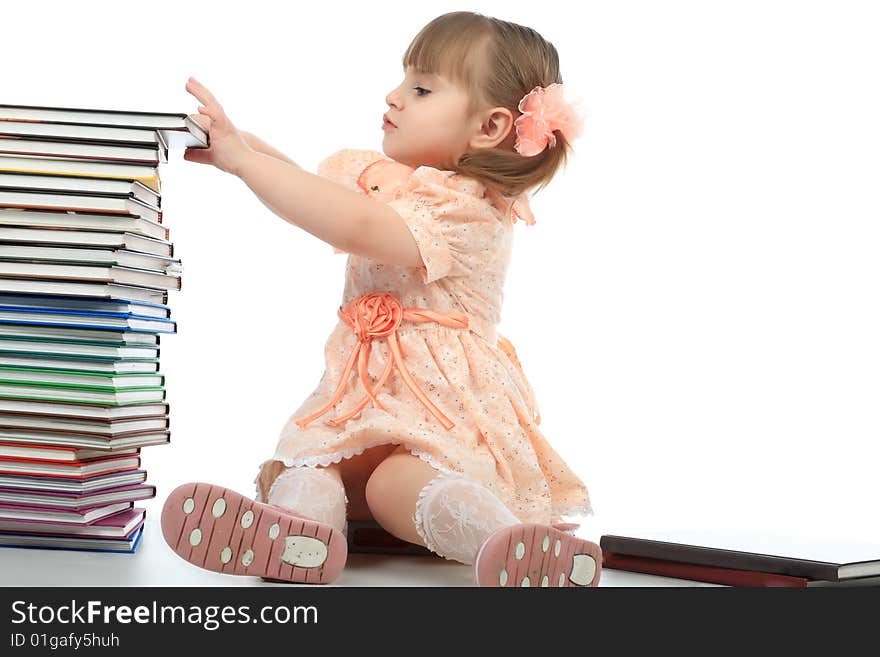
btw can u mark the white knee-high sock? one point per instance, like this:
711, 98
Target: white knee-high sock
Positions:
455, 515
313, 493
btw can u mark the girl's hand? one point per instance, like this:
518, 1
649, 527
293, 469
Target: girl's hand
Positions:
228, 146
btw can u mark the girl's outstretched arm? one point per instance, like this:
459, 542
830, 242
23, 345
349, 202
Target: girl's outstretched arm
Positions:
262, 147
349, 221
343, 218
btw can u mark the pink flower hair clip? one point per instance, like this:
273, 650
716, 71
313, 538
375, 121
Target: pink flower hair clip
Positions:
544, 110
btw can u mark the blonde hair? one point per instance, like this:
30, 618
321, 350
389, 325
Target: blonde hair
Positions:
498, 63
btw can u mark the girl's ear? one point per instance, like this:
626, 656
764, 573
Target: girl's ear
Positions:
496, 126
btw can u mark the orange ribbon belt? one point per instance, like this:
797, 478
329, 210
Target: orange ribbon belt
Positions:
378, 315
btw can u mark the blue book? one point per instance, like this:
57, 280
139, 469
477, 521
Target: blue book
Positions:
84, 303
85, 319
38, 542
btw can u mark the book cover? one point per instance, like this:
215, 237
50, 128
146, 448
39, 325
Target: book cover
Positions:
79, 184
62, 220
40, 164
74, 410
84, 289
56, 304
84, 319
75, 543
72, 469
62, 500
48, 427
177, 130
74, 486
116, 525
70, 237
810, 558
82, 517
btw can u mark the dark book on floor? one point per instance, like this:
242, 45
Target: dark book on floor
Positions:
368, 536
723, 576
811, 558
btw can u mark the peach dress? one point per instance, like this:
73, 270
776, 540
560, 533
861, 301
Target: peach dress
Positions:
416, 359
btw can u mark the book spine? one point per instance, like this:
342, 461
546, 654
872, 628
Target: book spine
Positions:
719, 558
697, 573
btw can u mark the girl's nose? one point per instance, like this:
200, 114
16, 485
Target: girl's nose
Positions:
393, 99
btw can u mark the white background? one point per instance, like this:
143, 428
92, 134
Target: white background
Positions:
696, 307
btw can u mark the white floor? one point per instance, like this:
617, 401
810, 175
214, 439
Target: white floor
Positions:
154, 564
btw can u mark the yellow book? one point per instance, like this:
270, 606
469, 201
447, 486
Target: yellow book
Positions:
146, 175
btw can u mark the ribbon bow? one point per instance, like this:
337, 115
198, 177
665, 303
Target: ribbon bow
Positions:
378, 315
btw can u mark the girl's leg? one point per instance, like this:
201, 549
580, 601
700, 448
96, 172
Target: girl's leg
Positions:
446, 512
314, 493
322, 493
458, 518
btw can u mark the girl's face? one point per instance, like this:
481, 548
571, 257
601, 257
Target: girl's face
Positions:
430, 124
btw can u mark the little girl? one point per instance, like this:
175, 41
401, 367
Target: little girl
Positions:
423, 419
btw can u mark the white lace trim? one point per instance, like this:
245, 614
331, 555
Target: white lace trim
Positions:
282, 475
418, 516
336, 457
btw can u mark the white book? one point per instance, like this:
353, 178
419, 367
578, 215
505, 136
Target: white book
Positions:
73, 319
86, 441
14, 198
116, 367
51, 453
79, 517
62, 485
96, 497
82, 220
47, 393
70, 238
82, 411
135, 154
79, 303
146, 174
82, 288
112, 274
69, 469
133, 516
36, 429
79, 184
83, 256
178, 130
62, 377
84, 133
73, 350
108, 337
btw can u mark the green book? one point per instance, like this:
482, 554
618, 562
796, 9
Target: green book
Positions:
79, 378
81, 395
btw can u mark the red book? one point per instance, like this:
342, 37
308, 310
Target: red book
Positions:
77, 469
57, 453
121, 524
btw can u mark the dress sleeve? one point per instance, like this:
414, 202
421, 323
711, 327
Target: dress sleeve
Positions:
345, 166
454, 226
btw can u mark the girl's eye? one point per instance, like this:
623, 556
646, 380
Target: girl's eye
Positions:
419, 91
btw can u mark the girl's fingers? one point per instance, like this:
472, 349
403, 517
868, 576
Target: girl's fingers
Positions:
201, 92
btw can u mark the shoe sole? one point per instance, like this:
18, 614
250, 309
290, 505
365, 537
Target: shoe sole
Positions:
223, 531
531, 555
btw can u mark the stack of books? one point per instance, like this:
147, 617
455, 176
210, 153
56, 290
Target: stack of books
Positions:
745, 559
86, 263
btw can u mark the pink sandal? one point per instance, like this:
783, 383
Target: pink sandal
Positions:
538, 555
218, 529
